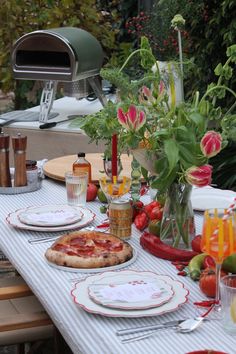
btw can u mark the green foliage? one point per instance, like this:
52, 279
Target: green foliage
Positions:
224, 167
211, 26
172, 133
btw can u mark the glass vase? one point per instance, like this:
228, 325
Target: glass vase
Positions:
177, 227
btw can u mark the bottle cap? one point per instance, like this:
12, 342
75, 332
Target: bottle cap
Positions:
81, 154
30, 164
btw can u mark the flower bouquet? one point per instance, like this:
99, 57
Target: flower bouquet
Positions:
174, 141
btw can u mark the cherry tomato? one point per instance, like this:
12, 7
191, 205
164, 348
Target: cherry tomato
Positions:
196, 243
141, 221
137, 207
148, 208
156, 213
207, 282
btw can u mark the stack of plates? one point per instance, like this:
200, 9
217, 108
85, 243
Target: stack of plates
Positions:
129, 293
50, 218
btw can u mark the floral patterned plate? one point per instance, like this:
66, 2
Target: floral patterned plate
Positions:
133, 292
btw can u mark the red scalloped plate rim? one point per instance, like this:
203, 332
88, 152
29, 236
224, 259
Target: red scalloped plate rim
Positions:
48, 229
133, 316
206, 351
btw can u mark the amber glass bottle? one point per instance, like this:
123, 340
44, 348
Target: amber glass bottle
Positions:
82, 165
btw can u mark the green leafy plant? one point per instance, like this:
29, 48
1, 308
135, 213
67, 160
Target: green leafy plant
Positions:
171, 134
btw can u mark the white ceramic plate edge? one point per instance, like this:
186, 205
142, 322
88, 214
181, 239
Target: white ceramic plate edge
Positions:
201, 197
87, 304
22, 216
12, 220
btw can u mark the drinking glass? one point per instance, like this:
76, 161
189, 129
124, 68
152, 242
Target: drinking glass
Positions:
228, 301
219, 241
114, 187
76, 188
107, 164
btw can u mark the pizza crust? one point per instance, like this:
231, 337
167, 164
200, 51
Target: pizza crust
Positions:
99, 259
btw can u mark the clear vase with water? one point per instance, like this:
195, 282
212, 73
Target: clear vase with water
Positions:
177, 227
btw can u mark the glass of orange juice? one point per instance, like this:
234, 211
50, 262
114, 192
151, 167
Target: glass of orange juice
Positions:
219, 240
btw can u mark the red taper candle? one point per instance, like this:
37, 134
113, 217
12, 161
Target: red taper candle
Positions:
114, 155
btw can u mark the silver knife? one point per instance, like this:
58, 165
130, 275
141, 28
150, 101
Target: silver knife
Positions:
121, 332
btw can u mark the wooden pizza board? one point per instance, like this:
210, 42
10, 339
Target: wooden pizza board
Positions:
56, 168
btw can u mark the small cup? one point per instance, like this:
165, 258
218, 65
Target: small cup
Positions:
228, 303
76, 188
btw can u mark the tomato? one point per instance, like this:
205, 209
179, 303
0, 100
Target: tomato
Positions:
196, 243
91, 192
207, 282
141, 221
137, 207
209, 262
148, 208
156, 213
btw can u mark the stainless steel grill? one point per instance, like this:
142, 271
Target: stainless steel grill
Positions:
68, 55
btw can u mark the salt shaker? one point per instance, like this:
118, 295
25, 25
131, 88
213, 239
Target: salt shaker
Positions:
19, 143
5, 176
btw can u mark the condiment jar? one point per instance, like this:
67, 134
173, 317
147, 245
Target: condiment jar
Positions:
120, 218
5, 176
81, 165
31, 171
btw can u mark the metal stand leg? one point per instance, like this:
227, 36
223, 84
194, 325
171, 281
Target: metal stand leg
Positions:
47, 99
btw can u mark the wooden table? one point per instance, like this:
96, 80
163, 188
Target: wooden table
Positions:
84, 332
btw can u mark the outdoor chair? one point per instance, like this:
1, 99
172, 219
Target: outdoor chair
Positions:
22, 317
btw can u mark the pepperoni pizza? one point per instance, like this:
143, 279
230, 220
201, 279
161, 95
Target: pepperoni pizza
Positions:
89, 249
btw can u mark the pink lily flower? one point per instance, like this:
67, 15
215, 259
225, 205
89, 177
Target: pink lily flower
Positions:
211, 143
199, 176
131, 120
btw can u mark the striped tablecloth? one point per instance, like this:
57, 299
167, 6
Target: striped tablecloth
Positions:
93, 334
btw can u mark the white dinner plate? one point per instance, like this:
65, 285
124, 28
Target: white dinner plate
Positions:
81, 298
210, 198
133, 292
50, 215
13, 220
95, 270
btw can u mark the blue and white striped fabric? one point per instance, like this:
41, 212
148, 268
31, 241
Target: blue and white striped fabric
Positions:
94, 334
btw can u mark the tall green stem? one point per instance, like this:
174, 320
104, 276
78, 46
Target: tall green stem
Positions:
181, 64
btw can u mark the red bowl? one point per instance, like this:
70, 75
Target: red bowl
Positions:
207, 351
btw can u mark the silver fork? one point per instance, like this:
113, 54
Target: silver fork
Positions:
42, 239
186, 326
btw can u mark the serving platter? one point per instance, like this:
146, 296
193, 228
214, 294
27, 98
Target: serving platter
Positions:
50, 215
95, 270
57, 167
210, 198
81, 297
133, 292
13, 220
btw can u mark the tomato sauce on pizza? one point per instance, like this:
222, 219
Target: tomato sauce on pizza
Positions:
89, 249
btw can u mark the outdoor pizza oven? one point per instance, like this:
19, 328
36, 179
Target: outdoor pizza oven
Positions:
67, 55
